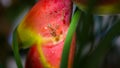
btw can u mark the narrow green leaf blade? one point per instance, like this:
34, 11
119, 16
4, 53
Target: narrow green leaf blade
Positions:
71, 30
16, 50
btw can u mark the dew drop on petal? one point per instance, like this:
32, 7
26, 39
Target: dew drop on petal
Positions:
45, 28
53, 52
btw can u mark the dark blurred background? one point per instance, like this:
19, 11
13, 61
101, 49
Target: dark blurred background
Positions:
11, 12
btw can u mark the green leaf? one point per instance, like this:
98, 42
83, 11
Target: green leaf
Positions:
16, 49
71, 31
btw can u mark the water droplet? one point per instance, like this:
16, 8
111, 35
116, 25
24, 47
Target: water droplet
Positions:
53, 52
45, 28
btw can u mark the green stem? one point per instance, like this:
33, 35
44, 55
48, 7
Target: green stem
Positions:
16, 50
71, 30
